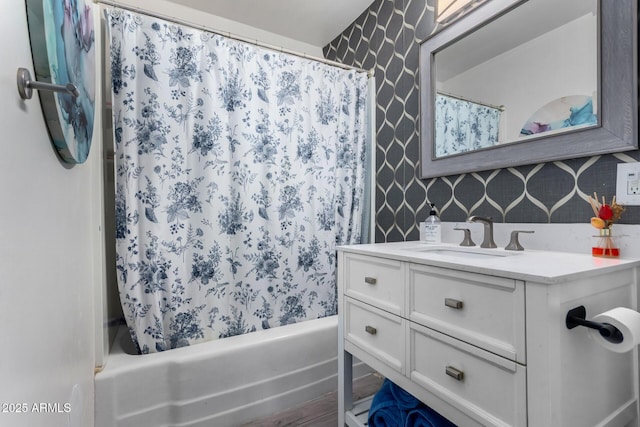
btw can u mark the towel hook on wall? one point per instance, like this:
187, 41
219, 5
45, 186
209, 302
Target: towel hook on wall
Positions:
26, 85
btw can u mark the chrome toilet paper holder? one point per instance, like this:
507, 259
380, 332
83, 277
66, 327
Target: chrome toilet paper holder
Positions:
577, 317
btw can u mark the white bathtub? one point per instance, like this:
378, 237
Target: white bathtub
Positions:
219, 383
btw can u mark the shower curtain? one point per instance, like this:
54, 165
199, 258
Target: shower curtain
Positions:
464, 125
238, 171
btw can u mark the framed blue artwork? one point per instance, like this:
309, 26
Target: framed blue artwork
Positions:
63, 49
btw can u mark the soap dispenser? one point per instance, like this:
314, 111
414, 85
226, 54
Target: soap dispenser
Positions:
432, 231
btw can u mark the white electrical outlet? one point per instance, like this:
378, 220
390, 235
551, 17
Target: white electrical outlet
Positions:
632, 183
628, 184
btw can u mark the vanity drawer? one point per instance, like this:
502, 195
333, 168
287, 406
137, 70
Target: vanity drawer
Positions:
377, 332
485, 311
377, 281
486, 387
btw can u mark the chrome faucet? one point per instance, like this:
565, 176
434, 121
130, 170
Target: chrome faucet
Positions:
488, 231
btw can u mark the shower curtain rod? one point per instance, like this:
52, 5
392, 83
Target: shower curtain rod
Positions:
461, 98
115, 4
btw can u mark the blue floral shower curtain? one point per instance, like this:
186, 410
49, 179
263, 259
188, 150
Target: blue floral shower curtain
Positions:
464, 125
238, 171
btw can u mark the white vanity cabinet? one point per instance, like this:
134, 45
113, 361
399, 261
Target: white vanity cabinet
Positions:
485, 342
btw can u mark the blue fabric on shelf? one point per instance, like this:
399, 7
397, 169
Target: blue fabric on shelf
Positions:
384, 410
392, 406
426, 417
404, 399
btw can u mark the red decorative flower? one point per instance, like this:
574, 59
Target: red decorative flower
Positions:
605, 214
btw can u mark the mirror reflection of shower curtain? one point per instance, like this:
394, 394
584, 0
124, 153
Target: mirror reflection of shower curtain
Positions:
238, 171
463, 126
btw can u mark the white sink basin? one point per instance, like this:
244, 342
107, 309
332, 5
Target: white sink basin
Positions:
479, 253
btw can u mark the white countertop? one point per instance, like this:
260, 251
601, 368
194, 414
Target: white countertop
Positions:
529, 265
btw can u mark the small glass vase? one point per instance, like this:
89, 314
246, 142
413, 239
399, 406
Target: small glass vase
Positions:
606, 245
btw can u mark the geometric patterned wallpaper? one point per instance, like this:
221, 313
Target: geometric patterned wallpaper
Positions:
386, 38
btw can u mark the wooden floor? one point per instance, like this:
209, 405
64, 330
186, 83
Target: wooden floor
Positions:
322, 412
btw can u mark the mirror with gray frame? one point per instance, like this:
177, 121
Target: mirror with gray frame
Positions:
528, 81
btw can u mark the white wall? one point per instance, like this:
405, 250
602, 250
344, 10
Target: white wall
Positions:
49, 234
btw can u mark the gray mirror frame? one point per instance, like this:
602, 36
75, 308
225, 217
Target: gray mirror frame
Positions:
618, 96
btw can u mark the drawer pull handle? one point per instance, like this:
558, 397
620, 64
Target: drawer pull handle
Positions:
370, 280
370, 330
453, 303
454, 373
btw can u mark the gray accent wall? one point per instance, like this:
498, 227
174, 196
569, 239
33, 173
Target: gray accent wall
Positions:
386, 38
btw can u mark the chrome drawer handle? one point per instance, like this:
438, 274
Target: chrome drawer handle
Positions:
453, 303
454, 373
370, 330
370, 280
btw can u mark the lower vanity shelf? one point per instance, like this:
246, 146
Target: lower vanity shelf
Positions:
359, 414
483, 349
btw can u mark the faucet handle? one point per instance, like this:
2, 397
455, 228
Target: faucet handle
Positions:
514, 244
467, 237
